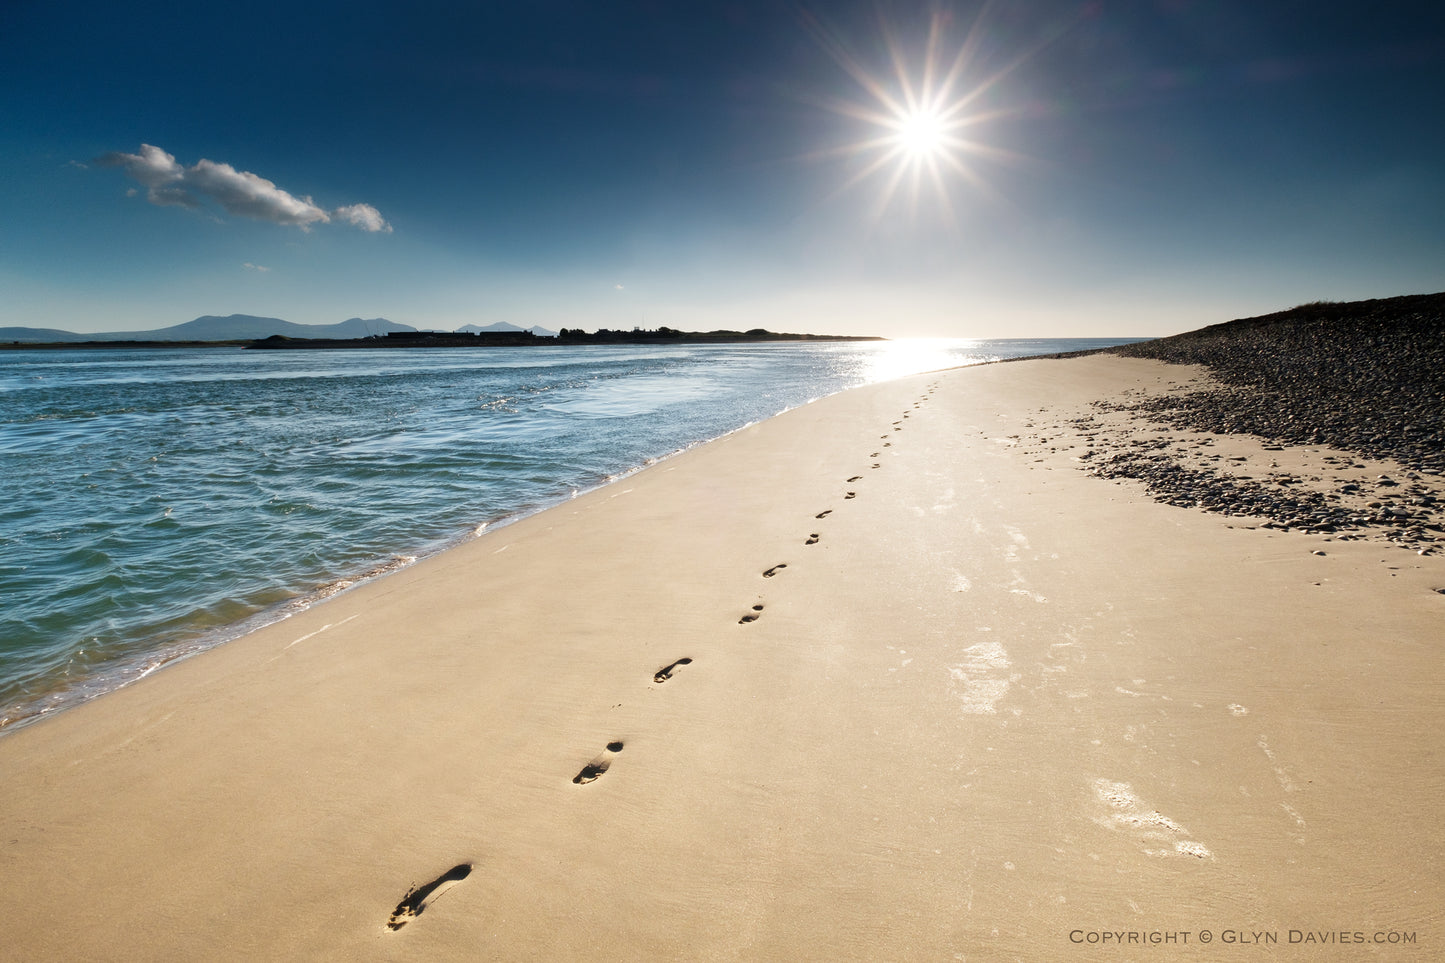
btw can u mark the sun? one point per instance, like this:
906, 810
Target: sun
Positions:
921, 120
922, 134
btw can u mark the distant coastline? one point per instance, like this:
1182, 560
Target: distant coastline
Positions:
451, 339
237, 330
92, 345
567, 336
252, 331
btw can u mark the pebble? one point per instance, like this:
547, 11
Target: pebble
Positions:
1366, 377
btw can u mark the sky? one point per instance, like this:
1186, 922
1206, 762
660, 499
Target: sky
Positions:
1013, 169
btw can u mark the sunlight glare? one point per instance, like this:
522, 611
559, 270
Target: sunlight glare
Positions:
906, 356
922, 134
919, 115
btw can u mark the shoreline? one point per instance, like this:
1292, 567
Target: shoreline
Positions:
140, 665
121, 669
885, 675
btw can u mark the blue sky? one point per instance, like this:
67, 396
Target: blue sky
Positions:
1109, 169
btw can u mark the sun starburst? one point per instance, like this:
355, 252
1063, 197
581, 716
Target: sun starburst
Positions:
920, 115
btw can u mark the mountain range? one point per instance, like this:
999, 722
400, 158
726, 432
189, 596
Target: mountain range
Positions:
536, 329
243, 327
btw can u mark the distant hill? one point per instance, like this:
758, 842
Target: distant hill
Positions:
536, 329
40, 335
235, 327
239, 327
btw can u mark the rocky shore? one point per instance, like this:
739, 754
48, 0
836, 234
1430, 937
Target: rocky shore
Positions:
1360, 380
1365, 376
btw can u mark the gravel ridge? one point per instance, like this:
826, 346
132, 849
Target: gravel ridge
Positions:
1365, 379
1362, 376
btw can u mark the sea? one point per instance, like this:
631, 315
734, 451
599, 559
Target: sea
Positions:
157, 502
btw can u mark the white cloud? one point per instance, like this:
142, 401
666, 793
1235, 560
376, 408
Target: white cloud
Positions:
153, 167
364, 216
245, 194
242, 193
255, 267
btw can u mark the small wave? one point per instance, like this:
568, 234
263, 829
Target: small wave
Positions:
395, 564
77, 684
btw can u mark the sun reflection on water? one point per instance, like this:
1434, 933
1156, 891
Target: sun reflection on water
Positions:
906, 356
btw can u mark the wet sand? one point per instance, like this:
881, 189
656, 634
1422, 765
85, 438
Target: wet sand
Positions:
889, 676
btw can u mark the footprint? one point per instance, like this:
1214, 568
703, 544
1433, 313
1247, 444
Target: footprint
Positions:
888, 444
1121, 810
856, 478
813, 539
665, 673
418, 898
752, 616
824, 514
597, 766
851, 495
874, 455
774, 570
876, 465
897, 429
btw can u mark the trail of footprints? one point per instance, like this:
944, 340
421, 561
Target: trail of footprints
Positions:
419, 898
814, 538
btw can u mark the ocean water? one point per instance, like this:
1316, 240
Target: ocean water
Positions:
155, 502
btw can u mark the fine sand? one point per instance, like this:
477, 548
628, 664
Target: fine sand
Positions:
887, 677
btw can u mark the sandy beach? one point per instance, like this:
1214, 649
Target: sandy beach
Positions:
891, 676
